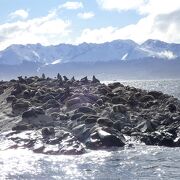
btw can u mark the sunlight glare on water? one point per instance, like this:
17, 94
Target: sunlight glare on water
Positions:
130, 163
137, 162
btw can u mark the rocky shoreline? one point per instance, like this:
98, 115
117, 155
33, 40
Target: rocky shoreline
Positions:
68, 116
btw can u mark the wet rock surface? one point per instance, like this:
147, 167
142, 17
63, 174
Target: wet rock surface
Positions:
68, 116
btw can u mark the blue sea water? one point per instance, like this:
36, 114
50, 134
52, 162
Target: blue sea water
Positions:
138, 162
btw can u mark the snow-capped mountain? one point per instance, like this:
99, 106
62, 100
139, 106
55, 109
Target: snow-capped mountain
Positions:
120, 50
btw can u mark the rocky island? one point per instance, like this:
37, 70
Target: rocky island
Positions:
69, 116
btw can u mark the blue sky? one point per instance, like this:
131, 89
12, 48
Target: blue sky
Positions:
76, 21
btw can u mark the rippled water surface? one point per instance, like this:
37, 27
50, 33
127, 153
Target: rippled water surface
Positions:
138, 162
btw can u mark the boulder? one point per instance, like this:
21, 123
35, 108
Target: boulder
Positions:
21, 127
103, 138
155, 94
105, 122
52, 103
11, 98
91, 119
120, 108
37, 118
121, 124
26, 94
118, 100
171, 107
158, 138
146, 126
86, 110
147, 98
47, 131
46, 97
73, 102
99, 102
115, 85
20, 105
33, 112
104, 90
76, 116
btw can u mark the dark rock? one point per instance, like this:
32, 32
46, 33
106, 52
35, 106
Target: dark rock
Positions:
150, 104
52, 103
46, 97
132, 101
37, 118
96, 114
119, 108
26, 94
90, 120
146, 126
76, 116
73, 101
33, 112
81, 132
172, 108
92, 97
104, 90
147, 98
115, 85
1, 90
155, 94
63, 117
105, 122
104, 138
86, 110
158, 138
11, 98
121, 124
21, 127
47, 131
118, 100
20, 105
99, 102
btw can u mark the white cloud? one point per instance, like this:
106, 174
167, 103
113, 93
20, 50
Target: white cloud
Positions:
142, 6
45, 30
71, 5
96, 35
21, 13
159, 6
167, 54
157, 23
86, 15
150, 27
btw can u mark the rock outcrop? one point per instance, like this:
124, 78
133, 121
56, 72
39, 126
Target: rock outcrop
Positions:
62, 116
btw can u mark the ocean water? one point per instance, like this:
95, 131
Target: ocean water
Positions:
138, 162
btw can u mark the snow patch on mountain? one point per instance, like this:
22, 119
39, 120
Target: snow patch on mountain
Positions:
56, 61
124, 57
36, 54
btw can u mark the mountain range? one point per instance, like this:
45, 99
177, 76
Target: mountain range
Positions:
119, 59
118, 50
